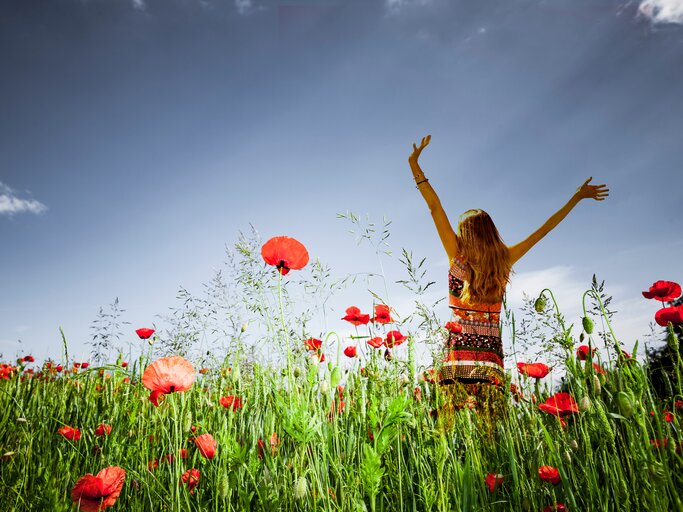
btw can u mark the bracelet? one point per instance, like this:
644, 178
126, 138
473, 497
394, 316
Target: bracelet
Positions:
419, 182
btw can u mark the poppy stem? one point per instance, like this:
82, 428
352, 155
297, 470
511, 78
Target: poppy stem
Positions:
286, 339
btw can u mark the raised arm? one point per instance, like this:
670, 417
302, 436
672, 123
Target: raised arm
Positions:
585, 191
443, 226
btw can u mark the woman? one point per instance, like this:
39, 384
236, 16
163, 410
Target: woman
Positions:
480, 265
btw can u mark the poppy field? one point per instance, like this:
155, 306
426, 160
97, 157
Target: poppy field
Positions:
344, 423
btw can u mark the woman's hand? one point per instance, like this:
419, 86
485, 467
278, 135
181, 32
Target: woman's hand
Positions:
597, 192
416, 151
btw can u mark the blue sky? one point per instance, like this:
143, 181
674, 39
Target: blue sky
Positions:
137, 138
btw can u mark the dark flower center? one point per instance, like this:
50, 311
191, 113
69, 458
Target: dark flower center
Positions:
172, 388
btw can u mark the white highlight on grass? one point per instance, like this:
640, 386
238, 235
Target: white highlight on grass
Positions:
662, 11
11, 204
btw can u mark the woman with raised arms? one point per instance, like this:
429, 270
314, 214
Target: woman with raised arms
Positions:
480, 264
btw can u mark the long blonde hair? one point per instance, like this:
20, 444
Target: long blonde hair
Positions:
486, 258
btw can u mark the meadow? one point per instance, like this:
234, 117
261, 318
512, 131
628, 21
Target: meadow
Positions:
325, 423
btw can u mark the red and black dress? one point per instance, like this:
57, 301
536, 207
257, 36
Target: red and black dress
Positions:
476, 353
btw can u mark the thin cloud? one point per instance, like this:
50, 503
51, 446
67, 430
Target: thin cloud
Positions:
139, 5
11, 204
243, 6
662, 11
397, 5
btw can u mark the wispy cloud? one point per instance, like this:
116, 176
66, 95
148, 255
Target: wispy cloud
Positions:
243, 6
397, 5
11, 204
662, 11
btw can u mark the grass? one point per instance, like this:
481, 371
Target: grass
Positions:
373, 435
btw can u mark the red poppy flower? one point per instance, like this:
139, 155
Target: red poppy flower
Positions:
549, 474
673, 314
626, 354
659, 442
599, 369
285, 253
70, 433
454, 327
417, 393
261, 447
493, 481
153, 464
376, 342
184, 454
103, 430
560, 405
124, 364
191, 479
204, 371
144, 333
29, 359
382, 314
584, 351
77, 365
95, 493
354, 316
666, 291
206, 445
313, 344
350, 351
557, 507
668, 416
535, 370
167, 375
84, 365
679, 404
394, 338
274, 442
231, 401
430, 376
59, 368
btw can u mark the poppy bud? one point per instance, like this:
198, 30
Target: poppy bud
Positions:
568, 457
223, 487
585, 403
244, 326
581, 338
335, 377
387, 355
596, 385
324, 387
540, 303
300, 488
624, 403
405, 380
587, 325
297, 372
574, 445
22, 420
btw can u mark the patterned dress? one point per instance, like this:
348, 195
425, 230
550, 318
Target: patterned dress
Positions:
475, 354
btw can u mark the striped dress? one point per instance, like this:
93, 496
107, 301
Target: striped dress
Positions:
476, 353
